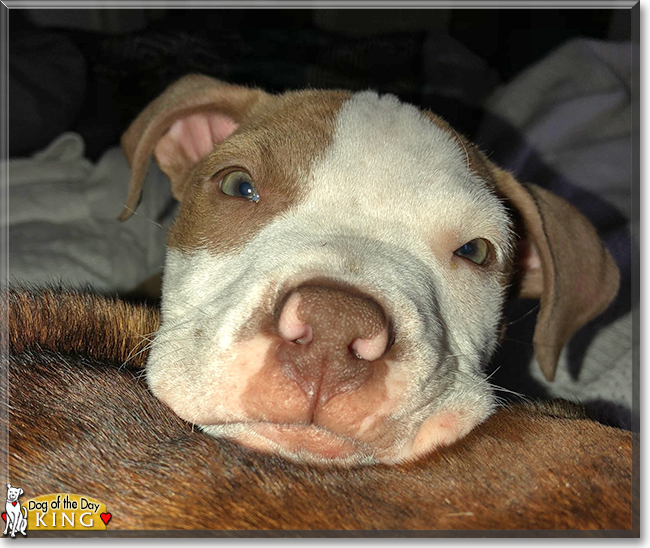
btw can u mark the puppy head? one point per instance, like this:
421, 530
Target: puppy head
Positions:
334, 281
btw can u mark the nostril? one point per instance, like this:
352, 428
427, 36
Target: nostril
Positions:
290, 327
353, 351
306, 335
370, 349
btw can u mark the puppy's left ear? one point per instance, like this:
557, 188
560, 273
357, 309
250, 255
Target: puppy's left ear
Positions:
565, 265
181, 126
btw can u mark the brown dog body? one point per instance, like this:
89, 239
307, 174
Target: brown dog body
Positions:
81, 422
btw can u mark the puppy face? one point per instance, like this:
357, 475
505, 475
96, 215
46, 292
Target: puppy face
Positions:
334, 282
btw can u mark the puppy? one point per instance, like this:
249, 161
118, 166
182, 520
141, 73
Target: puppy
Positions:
334, 282
16, 515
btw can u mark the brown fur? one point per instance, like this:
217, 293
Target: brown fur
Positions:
194, 93
578, 277
70, 323
78, 422
277, 156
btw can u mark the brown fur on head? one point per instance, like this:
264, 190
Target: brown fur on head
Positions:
80, 423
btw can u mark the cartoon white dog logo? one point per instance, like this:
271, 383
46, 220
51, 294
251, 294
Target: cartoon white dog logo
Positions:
16, 516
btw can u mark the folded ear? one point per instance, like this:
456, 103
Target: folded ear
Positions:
565, 265
181, 127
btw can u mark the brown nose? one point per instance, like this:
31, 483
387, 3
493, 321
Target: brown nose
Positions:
332, 337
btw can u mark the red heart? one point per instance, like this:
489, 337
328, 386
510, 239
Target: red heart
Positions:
14, 503
4, 516
105, 517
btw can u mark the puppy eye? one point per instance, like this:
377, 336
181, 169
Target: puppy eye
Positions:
240, 185
477, 251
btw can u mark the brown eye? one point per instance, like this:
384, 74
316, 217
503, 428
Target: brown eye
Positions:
239, 184
477, 251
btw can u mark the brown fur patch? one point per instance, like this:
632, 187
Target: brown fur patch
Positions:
276, 147
191, 94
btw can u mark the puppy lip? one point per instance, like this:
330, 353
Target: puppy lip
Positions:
300, 440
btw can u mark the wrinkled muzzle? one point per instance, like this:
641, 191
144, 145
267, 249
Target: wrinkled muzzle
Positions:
329, 353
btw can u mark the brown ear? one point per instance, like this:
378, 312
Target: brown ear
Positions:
182, 126
566, 267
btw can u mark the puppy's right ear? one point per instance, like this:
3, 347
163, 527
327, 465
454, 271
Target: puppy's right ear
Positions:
181, 127
565, 265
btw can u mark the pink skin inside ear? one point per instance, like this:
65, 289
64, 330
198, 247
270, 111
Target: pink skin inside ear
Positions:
530, 256
194, 137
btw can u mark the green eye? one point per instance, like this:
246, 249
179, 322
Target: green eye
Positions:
240, 185
477, 251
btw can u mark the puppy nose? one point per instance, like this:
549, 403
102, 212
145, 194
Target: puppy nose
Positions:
332, 337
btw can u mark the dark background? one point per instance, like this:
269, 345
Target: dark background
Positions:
91, 71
